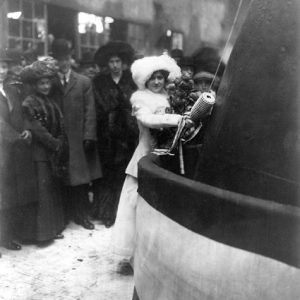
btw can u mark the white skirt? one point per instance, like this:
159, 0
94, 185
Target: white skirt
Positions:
125, 228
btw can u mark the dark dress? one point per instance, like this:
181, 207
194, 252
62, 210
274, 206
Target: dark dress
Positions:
49, 148
117, 138
17, 182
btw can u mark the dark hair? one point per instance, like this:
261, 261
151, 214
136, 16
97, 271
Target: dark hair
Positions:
164, 73
114, 48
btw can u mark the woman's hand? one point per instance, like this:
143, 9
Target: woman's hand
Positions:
26, 135
189, 123
189, 127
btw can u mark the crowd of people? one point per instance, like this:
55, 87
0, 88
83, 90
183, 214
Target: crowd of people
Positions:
67, 134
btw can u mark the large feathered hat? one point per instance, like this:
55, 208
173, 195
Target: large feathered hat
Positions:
143, 68
38, 70
114, 48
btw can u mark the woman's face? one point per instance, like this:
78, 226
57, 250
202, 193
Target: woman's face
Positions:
115, 65
64, 63
156, 83
43, 86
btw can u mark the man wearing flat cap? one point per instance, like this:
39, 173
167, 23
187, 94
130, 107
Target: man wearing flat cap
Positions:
78, 107
117, 129
206, 81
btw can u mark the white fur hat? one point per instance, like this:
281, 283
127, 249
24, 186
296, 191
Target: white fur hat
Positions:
143, 68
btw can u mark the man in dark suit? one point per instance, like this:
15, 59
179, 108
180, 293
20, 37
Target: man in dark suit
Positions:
78, 107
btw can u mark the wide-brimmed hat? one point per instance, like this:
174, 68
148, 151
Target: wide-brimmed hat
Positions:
38, 70
4, 55
143, 68
60, 48
114, 48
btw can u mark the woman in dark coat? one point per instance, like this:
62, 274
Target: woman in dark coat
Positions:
17, 189
49, 146
116, 128
8, 193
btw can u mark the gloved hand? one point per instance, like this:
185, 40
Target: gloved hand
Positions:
189, 123
26, 135
189, 128
89, 145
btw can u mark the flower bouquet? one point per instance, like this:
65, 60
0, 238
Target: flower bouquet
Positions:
189, 103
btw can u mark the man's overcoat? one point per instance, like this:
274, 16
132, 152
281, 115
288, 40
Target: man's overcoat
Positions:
78, 107
17, 180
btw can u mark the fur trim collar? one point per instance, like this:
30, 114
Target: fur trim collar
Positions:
146, 98
143, 68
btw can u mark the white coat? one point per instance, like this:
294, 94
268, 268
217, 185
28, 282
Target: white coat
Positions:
149, 108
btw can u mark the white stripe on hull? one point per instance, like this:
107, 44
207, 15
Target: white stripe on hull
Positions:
172, 262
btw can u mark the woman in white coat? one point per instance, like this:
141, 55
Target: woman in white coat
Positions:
149, 104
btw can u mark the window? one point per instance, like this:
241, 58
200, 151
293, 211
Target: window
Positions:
27, 26
137, 36
93, 31
177, 40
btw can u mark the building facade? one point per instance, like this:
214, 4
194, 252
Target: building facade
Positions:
150, 26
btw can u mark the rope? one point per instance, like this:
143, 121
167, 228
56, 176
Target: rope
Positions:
181, 159
227, 42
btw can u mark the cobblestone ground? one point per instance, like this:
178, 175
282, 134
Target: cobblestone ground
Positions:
80, 266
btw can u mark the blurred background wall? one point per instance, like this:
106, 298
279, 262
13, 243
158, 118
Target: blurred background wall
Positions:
151, 26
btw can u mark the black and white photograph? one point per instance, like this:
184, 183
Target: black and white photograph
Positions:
149, 150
